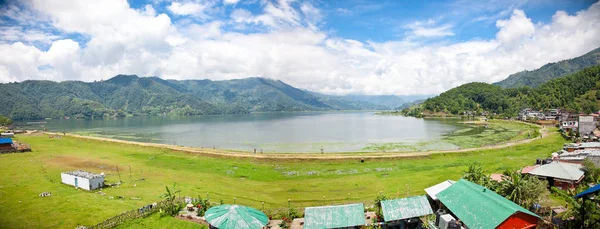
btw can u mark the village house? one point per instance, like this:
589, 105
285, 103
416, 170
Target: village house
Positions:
82, 179
479, 207
571, 147
578, 156
335, 216
569, 121
586, 125
6, 145
559, 174
7, 135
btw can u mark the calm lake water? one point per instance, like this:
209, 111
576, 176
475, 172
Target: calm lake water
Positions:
271, 132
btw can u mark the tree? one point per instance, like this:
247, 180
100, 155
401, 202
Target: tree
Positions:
591, 172
172, 207
523, 190
474, 173
5, 121
381, 197
585, 212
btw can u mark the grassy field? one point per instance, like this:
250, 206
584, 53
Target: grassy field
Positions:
251, 181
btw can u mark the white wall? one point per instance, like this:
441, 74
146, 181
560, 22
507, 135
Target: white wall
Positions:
82, 183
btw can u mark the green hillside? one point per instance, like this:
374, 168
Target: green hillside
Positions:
575, 92
125, 95
551, 71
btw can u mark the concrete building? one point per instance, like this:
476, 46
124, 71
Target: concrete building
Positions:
82, 179
587, 125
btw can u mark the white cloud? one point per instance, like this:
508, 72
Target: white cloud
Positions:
515, 29
189, 8
128, 41
429, 29
230, 2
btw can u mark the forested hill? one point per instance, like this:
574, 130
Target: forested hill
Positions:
551, 71
575, 92
132, 95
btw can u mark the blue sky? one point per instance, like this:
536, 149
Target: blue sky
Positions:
335, 47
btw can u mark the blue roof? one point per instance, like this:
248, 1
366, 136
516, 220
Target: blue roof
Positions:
6, 141
589, 191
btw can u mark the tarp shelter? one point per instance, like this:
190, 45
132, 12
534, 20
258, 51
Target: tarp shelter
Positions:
479, 207
592, 190
228, 216
434, 190
405, 208
337, 216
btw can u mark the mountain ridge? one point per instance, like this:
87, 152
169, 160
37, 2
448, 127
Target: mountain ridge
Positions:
124, 95
551, 71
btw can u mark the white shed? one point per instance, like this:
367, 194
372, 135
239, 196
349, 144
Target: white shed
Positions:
83, 179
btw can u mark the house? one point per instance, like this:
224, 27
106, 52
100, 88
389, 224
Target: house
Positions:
479, 207
559, 174
83, 179
335, 216
434, 190
6, 145
571, 147
587, 125
405, 211
578, 156
7, 135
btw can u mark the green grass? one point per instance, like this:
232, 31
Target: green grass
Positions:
251, 181
156, 222
470, 136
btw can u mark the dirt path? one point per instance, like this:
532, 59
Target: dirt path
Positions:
304, 156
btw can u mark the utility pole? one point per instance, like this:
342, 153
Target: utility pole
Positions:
119, 174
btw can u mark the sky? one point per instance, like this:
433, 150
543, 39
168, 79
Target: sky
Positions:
335, 47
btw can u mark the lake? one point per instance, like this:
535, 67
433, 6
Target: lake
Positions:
272, 132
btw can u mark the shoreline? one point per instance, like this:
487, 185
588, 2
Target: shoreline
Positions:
303, 156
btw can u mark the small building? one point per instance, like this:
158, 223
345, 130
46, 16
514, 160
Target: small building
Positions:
559, 174
434, 190
83, 179
587, 125
335, 216
479, 207
7, 135
6, 145
405, 212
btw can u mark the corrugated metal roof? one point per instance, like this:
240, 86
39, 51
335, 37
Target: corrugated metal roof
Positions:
434, 190
84, 174
405, 208
478, 207
228, 216
6, 141
349, 215
565, 171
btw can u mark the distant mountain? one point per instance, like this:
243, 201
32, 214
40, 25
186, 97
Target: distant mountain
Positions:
410, 104
389, 101
551, 71
125, 95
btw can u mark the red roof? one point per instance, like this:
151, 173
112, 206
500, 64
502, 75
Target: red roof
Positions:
496, 177
528, 169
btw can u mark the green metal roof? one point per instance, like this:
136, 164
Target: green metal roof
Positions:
478, 207
235, 216
334, 216
405, 208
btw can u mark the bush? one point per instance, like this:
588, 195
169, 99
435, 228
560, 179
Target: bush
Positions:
172, 207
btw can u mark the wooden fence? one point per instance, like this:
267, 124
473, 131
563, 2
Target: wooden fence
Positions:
131, 215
